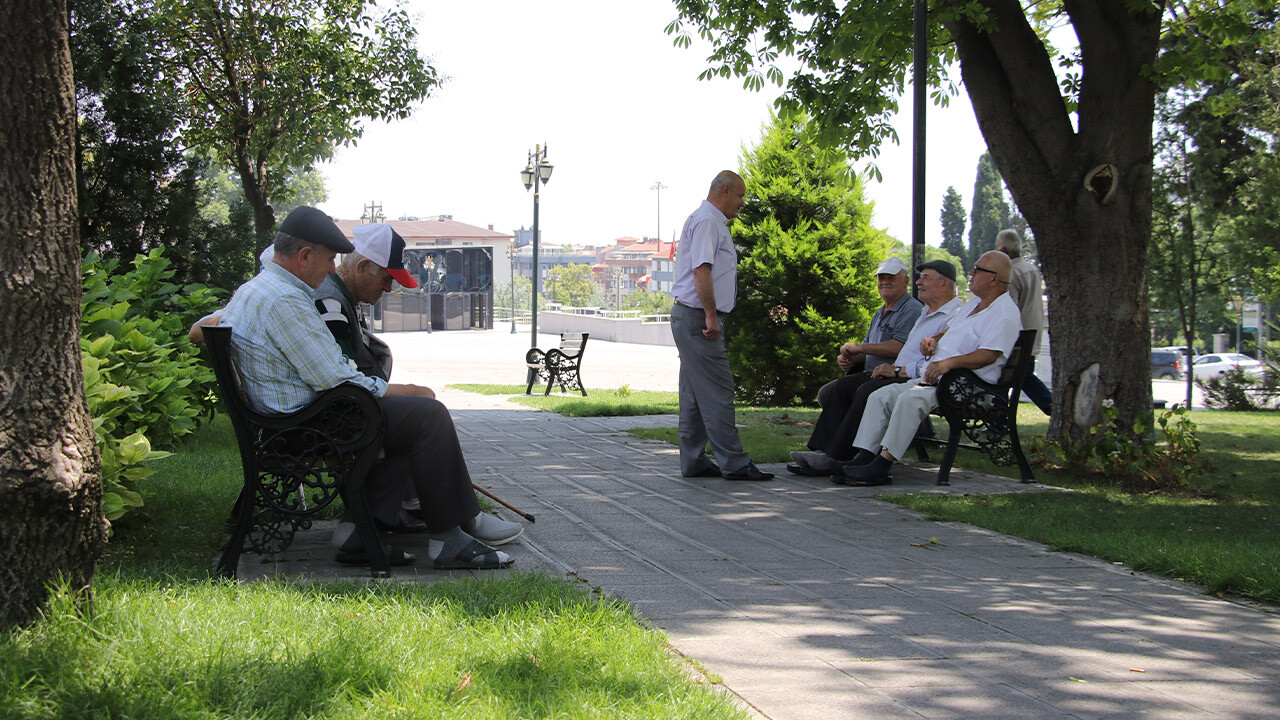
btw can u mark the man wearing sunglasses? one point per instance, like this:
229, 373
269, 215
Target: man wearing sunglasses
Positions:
979, 337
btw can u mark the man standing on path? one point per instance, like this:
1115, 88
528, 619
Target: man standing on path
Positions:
838, 423
706, 276
979, 337
890, 326
1024, 290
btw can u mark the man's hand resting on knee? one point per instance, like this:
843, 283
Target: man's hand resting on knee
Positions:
405, 389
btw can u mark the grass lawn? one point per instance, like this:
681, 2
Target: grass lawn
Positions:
165, 641
597, 403
1227, 539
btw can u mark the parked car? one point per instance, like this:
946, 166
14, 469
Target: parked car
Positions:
1166, 365
1215, 364
1195, 352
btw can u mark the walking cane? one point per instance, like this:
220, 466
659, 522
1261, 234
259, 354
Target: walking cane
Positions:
504, 503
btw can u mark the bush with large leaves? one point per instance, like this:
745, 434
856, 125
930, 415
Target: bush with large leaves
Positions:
807, 255
145, 383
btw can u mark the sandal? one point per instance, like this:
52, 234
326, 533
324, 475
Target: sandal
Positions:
475, 555
395, 556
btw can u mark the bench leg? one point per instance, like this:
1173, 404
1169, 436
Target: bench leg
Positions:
353, 497
1024, 467
577, 377
242, 513
528, 389
949, 456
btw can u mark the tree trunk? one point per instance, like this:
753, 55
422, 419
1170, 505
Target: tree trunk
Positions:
52, 525
1092, 234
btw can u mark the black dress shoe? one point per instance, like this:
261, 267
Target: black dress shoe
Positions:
750, 472
712, 470
404, 525
873, 473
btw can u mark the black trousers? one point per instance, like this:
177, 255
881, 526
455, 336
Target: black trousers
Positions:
843, 401
422, 449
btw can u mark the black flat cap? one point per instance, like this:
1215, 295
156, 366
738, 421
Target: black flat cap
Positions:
313, 226
942, 267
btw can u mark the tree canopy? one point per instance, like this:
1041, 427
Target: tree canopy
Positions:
990, 213
272, 87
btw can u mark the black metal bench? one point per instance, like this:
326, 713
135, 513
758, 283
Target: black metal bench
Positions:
558, 366
985, 414
296, 465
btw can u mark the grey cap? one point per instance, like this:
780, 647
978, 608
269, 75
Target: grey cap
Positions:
942, 267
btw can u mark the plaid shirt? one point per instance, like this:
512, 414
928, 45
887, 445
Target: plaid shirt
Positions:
283, 350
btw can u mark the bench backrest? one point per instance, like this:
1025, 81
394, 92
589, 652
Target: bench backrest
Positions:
572, 344
1015, 370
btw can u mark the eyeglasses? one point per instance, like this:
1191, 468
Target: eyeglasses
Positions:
979, 268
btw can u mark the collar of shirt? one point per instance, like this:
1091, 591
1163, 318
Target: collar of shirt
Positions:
706, 205
280, 274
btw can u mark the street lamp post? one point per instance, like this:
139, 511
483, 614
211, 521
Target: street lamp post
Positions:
511, 255
536, 172
659, 187
617, 288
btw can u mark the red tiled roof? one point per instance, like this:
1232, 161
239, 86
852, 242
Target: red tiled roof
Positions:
431, 229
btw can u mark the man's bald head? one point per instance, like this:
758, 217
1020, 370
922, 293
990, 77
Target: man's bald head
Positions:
997, 261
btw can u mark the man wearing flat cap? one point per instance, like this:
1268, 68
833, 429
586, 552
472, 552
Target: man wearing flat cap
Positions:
287, 357
837, 425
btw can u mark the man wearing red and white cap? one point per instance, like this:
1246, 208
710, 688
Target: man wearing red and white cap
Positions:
363, 276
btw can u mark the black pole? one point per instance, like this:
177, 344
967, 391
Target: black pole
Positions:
534, 342
920, 89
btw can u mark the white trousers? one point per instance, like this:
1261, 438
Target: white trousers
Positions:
893, 415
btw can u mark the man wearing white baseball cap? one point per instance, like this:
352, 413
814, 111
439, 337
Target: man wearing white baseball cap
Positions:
890, 326
362, 277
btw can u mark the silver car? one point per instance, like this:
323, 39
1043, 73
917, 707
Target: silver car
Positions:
1215, 364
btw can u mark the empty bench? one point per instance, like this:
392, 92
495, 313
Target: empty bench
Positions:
558, 366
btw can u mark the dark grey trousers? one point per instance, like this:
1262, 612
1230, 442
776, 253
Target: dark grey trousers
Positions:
421, 448
706, 395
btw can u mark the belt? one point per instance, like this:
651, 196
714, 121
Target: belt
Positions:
690, 307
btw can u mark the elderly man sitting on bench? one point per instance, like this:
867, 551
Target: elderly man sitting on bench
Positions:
979, 336
288, 357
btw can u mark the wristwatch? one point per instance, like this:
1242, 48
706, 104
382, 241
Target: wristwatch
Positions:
897, 370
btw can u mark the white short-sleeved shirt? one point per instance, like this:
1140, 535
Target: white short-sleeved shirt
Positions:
930, 323
705, 240
996, 327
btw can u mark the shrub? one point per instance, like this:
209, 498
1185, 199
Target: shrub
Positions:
1134, 459
145, 384
1238, 390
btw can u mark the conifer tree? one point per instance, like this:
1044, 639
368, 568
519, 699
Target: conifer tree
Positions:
807, 256
953, 224
990, 212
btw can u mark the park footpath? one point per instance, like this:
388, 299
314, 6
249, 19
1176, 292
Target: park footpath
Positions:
811, 600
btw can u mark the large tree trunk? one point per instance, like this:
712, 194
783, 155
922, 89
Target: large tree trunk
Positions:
52, 526
1092, 236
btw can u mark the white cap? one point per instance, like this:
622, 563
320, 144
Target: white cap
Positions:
384, 246
891, 266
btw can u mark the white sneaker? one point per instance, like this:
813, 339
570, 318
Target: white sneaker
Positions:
492, 531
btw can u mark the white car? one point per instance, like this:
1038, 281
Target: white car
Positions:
1215, 364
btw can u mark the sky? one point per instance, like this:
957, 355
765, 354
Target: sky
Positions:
619, 109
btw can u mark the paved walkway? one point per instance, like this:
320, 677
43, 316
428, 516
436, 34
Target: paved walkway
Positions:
817, 601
